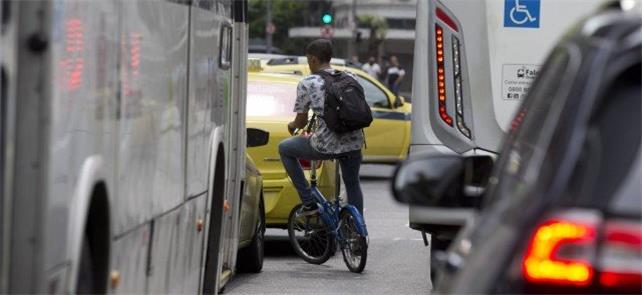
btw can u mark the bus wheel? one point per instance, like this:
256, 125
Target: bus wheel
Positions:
214, 228
85, 284
250, 258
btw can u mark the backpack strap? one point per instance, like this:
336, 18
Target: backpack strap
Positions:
327, 77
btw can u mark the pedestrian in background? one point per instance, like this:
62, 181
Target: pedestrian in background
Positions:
372, 68
395, 75
354, 62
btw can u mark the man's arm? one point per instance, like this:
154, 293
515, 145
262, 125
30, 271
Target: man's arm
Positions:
301, 107
299, 122
401, 74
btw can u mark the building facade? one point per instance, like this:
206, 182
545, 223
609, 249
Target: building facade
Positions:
399, 38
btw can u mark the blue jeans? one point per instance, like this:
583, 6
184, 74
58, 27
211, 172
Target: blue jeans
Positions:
394, 88
298, 147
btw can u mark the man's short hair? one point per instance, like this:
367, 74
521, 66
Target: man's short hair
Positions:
321, 49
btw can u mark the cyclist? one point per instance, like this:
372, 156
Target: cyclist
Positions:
323, 144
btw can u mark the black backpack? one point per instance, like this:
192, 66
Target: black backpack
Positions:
345, 108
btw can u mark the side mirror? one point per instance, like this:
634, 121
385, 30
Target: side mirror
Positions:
442, 180
257, 137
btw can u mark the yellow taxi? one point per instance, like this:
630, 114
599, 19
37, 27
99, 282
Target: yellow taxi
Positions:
388, 137
270, 100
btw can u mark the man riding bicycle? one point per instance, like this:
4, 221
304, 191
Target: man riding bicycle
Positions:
323, 144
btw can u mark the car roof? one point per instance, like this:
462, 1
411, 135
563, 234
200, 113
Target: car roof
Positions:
274, 77
303, 69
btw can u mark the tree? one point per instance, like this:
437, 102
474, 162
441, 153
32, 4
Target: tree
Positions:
378, 27
285, 15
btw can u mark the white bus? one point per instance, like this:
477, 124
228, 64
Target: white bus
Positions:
123, 142
474, 63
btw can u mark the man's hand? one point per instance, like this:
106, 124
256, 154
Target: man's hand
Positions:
291, 128
300, 121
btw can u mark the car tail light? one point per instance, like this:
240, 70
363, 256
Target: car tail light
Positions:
620, 260
306, 164
441, 76
559, 253
443, 16
579, 249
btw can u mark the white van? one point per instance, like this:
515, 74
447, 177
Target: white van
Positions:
474, 63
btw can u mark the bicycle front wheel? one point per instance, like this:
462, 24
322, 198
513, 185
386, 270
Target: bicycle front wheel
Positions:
309, 236
354, 246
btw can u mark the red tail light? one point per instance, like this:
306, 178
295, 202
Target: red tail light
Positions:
441, 76
306, 164
620, 261
557, 253
443, 16
579, 249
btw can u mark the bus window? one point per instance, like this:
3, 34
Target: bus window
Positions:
225, 54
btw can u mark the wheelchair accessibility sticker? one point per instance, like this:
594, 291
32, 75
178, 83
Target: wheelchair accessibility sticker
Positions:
521, 13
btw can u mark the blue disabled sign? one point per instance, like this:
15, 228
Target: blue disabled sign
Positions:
521, 13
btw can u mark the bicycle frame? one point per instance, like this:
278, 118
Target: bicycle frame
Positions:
331, 211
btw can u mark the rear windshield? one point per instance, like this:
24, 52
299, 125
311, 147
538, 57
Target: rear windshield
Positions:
607, 175
628, 200
523, 154
270, 99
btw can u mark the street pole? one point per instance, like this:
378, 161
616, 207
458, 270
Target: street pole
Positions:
268, 23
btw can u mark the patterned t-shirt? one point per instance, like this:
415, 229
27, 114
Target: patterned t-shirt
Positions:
311, 94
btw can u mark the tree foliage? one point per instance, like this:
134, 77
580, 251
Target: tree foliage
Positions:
285, 14
378, 27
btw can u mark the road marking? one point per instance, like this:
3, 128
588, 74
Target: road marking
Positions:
406, 239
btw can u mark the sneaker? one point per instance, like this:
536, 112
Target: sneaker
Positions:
309, 209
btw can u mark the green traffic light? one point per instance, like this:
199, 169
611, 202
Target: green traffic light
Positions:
327, 18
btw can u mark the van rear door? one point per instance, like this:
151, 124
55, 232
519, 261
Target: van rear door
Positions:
474, 63
481, 57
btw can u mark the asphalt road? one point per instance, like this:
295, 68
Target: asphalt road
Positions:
398, 262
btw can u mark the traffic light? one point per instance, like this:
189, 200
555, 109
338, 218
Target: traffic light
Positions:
327, 18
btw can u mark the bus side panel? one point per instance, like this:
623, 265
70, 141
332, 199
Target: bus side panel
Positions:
225, 77
155, 36
205, 95
237, 135
9, 67
29, 175
192, 252
175, 256
129, 258
84, 56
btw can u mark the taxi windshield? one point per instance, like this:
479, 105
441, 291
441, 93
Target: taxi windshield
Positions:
270, 99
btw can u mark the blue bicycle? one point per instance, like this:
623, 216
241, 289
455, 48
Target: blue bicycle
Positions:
314, 237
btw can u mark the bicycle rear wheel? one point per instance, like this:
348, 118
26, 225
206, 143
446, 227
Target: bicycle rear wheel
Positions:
354, 246
309, 236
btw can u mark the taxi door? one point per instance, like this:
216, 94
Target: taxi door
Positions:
388, 135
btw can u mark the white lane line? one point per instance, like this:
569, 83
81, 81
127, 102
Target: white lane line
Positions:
407, 239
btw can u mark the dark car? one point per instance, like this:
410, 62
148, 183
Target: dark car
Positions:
562, 208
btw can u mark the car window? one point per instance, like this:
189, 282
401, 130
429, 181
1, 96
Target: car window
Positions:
524, 149
608, 155
374, 95
628, 200
270, 99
